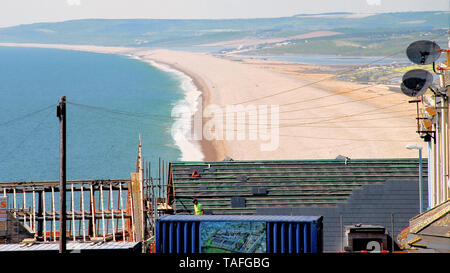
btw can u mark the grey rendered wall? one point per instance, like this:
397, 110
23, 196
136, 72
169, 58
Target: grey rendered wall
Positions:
373, 205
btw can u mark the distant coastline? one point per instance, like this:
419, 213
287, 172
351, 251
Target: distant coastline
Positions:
190, 150
319, 119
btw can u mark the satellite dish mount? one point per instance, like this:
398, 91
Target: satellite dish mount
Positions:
417, 81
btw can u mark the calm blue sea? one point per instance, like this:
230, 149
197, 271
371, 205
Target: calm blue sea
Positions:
100, 143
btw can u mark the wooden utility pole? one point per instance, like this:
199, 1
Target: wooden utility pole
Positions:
61, 114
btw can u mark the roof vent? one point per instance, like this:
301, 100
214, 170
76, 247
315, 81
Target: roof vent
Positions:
259, 191
238, 202
242, 177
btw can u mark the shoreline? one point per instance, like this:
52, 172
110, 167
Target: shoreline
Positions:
319, 119
209, 149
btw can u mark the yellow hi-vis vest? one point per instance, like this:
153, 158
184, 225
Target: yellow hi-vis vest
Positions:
198, 209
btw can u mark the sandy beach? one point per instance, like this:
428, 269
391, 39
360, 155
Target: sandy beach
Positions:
319, 117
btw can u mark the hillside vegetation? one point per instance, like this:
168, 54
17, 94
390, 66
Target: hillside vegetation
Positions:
376, 34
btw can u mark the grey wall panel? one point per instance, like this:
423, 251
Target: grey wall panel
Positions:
373, 204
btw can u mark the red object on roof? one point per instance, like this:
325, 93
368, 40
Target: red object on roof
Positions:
195, 174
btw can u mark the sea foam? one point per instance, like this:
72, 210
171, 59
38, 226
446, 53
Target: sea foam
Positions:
183, 113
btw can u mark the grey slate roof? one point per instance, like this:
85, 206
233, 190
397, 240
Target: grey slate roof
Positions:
223, 185
368, 191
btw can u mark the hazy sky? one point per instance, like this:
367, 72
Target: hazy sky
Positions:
14, 12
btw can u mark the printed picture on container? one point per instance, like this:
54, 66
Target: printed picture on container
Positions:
233, 237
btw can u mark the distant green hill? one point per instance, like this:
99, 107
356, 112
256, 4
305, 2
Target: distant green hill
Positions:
376, 33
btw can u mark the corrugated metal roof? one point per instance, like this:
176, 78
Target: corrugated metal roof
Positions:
70, 246
261, 218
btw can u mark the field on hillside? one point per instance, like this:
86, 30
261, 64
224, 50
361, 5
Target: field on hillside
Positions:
355, 34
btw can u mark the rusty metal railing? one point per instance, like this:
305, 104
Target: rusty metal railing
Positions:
96, 209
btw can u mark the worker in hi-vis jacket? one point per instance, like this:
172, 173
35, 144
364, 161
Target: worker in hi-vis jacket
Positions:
198, 208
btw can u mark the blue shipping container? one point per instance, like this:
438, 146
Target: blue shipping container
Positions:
239, 234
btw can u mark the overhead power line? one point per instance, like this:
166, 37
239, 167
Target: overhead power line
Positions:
117, 112
276, 93
25, 138
349, 139
26, 115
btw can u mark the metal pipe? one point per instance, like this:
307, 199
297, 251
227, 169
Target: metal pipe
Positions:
82, 213
444, 150
109, 209
442, 154
24, 204
103, 212
54, 214
121, 211
40, 216
45, 222
73, 213
435, 157
420, 181
447, 182
112, 213
430, 190
444, 140
92, 206
33, 219
417, 147
15, 202
118, 208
